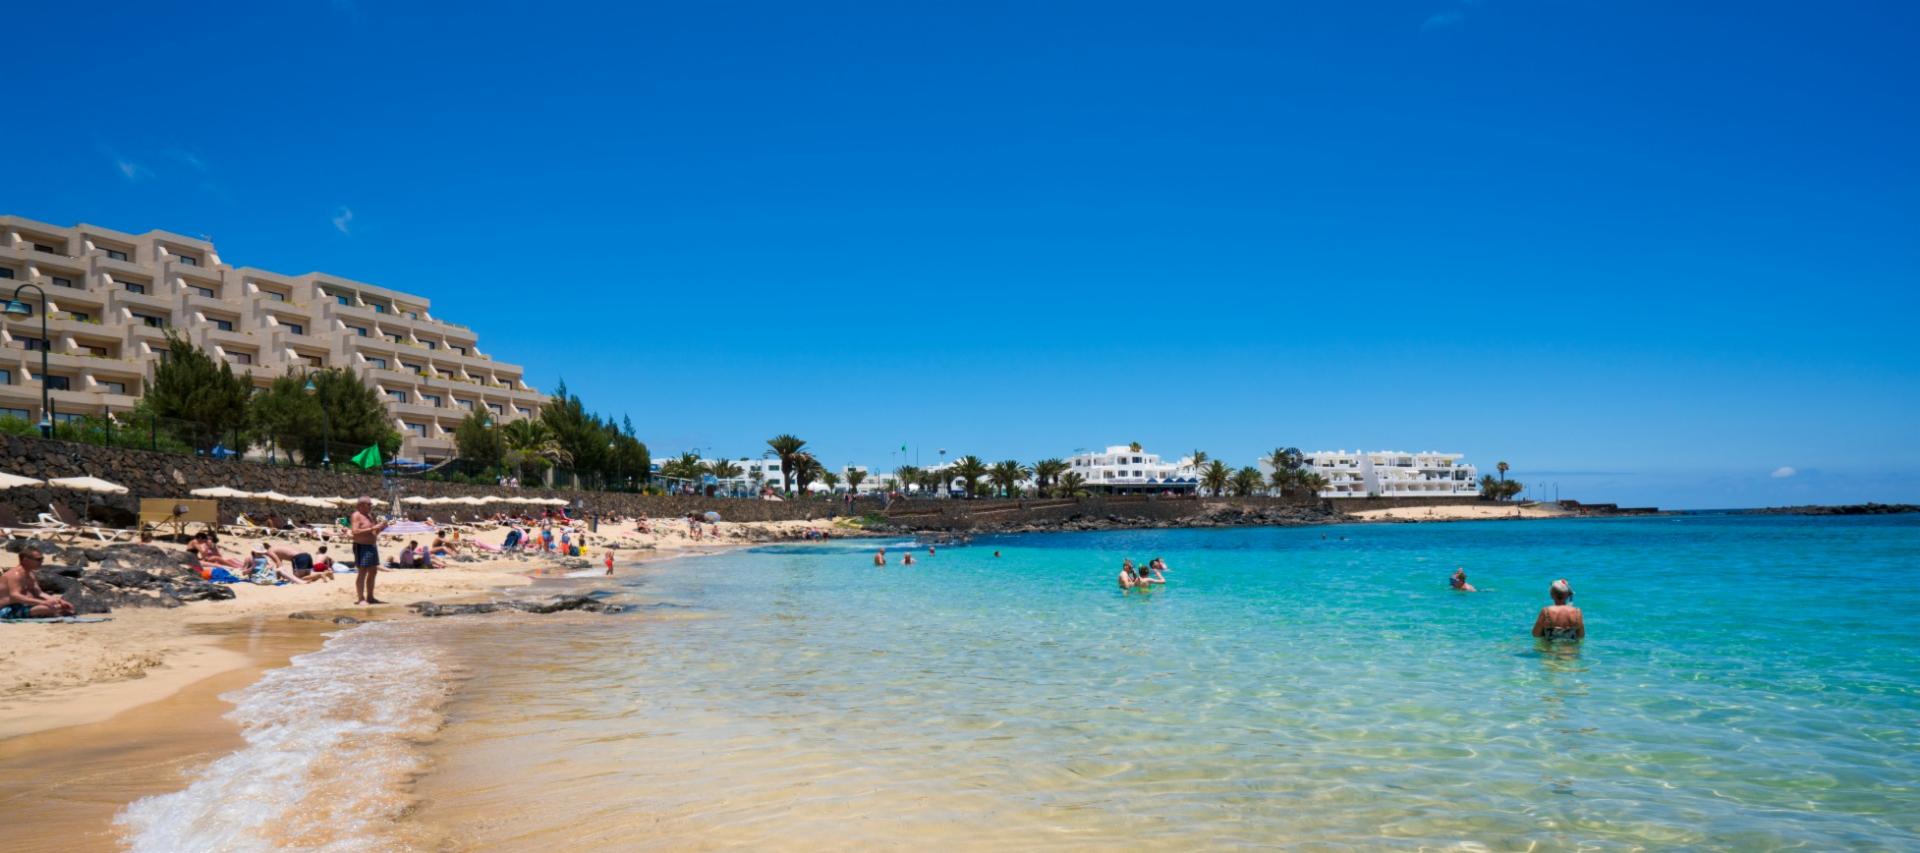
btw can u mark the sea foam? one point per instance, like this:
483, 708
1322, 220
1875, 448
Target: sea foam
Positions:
331, 747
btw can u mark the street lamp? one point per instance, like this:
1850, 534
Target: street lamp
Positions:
16, 308
326, 425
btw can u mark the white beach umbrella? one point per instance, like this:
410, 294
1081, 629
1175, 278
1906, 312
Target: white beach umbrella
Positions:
220, 492
271, 495
416, 500
88, 484
14, 481
469, 500
316, 503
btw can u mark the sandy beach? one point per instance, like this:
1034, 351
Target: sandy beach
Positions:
57, 675
1461, 512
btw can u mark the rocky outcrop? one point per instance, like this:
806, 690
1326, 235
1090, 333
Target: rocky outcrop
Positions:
555, 604
1844, 509
98, 579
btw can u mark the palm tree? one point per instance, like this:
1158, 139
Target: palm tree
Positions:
786, 447
806, 469
1070, 484
532, 439
723, 469
1216, 477
1311, 483
906, 477
830, 480
970, 469
1503, 471
1490, 487
1246, 481
1134, 446
933, 482
1007, 475
1199, 460
1045, 472
855, 477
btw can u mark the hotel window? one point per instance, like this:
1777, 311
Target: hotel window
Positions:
80, 316
358, 330
375, 361
223, 325
418, 429
274, 295
431, 400
75, 418
96, 352
116, 255
460, 350
203, 291
151, 321
380, 309
343, 300
465, 404
189, 260
134, 287
524, 411
61, 281
410, 367
314, 360
296, 328
393, 339
42, 247
6, 376
6, 273
496, 408
114, 387
430, 344
58, 383
398, 396
240, 357
447, 375
22, 414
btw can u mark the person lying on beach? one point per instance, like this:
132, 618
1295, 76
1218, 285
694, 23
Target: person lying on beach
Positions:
314, 567
1560, 620
1459, 580
24, 599
209, 546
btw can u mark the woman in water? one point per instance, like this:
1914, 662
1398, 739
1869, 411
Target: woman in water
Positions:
1459, 580
1560, 620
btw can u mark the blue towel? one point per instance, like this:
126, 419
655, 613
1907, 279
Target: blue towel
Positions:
224, 576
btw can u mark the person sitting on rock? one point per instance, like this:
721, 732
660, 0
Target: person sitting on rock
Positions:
23, 597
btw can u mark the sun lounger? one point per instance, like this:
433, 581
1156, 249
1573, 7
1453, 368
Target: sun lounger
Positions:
16, 529
66, 520
53, 619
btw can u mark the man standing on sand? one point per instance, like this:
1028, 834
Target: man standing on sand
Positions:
366, 550
21, 596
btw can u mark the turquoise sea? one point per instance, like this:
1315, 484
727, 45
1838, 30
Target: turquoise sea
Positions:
1748, 682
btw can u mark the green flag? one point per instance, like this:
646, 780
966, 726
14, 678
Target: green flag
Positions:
368, 458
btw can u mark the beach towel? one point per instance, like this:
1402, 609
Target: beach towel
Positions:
50, 619
223, 576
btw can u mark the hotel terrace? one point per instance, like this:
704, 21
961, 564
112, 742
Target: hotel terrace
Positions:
110, 296
1390, 474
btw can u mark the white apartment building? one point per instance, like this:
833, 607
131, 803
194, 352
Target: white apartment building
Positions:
1127, 469
1390, 474
111, 295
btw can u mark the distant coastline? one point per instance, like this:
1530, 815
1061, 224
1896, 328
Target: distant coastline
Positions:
1839, 509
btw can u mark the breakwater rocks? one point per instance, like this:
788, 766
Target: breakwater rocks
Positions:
555, 604
1843, 509
99, 579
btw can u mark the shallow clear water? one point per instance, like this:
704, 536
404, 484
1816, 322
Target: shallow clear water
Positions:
1748, 682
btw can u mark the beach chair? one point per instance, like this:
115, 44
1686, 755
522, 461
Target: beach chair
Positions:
66, 521
14, 528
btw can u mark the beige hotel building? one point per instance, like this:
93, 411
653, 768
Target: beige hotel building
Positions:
110, 295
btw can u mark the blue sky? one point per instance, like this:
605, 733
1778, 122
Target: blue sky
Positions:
1653, 252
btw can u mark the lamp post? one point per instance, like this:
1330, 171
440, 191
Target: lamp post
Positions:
16, 308
326, 426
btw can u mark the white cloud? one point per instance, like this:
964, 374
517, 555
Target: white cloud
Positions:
1439, 20
343, 220
130, 170
1783, 472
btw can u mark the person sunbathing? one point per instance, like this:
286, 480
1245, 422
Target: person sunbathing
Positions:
210, 553
23, 597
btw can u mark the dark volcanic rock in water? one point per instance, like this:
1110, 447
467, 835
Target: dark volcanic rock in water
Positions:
1844, 509
556, 604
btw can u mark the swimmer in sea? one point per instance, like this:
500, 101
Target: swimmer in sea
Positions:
996, 553
1560, 620
929, 550
1152, 573
1459, 580
907, 560
1127, 578
880, 557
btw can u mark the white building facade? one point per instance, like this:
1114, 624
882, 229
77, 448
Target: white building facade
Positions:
1127, 469
1390, 474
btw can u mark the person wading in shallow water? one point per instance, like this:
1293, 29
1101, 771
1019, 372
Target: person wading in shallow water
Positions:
1560, 620
366, 550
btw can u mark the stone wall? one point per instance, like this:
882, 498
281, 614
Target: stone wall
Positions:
1360, 504
148, 474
